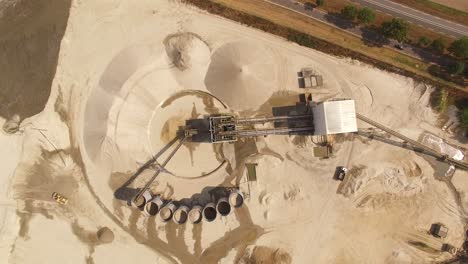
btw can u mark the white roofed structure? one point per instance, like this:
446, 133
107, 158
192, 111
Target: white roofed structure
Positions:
335, 117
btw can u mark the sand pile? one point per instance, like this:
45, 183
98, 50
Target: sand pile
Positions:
261, 254
105, 235
243, 75
186, 50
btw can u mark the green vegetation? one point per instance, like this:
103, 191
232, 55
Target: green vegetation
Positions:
395, 29
439, 100
462, 105
406, 61
302, 39
464, 117
366, 15
349, 12
320, 2
459, 48
457, 68
424, 41
438, 45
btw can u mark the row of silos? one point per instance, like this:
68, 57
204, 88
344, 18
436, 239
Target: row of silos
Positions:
153, 205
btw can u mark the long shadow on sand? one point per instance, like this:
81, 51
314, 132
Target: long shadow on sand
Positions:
126, 193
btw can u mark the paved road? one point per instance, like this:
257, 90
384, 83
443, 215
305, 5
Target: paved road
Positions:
369, 36
417, 17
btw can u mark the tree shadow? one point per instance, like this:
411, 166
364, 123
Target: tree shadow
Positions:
372, 38
441, 72
309, 6
431, 56
337, 20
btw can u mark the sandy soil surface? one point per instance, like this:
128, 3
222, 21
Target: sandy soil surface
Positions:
457, 4
130, 73
30, 35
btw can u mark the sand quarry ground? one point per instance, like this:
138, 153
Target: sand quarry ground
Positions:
130, 72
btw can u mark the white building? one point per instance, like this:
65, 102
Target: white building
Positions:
335, 117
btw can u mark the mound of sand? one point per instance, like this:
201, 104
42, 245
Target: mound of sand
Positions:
105, 235
243, 75
186, 50
261, 254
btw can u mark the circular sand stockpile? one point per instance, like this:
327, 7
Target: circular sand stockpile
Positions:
262, 254
140, 202
195, 214
181, 215
236, 199
166, 212
223, 207
209, 212
152, 209
242, 75
186, 50
105, 235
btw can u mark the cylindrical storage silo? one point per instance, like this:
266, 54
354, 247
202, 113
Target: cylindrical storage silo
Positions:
195, 214
142, 200
166, 212
209, 212
180, 215
153, 206
236, 199
223, 207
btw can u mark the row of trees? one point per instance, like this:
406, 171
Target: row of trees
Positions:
364, 15
398, 29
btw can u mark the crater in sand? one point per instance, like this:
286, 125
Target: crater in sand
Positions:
193, 159
171, 127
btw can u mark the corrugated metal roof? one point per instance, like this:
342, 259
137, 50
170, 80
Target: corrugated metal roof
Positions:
334, 117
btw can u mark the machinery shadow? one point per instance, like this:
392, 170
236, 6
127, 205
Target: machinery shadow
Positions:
126, 193
202, 125
208, 194
396, 143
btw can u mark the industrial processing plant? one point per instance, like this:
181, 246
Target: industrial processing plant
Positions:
157, 132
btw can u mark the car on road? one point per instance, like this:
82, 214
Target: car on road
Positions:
399, 46
308, 6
